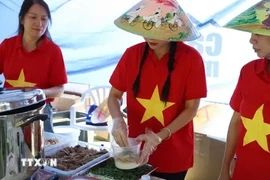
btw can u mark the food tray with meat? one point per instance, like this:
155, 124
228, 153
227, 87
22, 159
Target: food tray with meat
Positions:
107, 171
54, 142
72, 160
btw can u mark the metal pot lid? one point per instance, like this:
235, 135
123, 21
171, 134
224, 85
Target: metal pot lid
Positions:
12, 99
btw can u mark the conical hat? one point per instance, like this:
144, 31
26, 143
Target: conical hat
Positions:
158, 19
255, 20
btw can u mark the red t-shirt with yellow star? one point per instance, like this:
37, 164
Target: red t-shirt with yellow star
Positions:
251, 99
147, 111
42, 68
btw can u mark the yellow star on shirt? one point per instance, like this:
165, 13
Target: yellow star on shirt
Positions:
154, 107
257, 129
20, 82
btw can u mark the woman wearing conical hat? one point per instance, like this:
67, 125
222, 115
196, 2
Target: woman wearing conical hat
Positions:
164, 80
248, 137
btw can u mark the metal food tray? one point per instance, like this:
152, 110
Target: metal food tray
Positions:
81, 168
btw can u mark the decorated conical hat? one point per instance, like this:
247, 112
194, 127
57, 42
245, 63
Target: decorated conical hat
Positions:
255, 19
158, 19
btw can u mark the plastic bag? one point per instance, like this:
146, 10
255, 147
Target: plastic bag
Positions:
41, 174
98, 114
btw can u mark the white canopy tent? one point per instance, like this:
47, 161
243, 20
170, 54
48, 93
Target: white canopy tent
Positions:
91, 43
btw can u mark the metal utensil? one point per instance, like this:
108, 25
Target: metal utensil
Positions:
152, 171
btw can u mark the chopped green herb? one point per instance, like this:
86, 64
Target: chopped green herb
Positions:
107, 171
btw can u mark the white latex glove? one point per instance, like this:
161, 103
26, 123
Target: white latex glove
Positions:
120, 132
224, 176
151, 141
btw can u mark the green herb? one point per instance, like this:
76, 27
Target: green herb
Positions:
108, 171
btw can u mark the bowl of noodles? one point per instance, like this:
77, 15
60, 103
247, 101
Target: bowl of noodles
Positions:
126, 158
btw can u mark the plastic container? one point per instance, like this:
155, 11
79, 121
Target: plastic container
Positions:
63, 142
145, 177
70, 132
62, 173
126, 158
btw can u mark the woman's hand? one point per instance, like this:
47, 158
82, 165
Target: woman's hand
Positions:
120, 132
151, 141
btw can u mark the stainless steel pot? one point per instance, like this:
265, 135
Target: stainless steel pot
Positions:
21, 128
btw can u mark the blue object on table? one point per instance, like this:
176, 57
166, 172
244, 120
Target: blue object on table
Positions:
89, 115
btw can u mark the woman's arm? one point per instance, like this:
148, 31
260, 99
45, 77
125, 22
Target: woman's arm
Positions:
232, 140
196, 78
114, 103
54, 92
57, 76
190, 111
2, 56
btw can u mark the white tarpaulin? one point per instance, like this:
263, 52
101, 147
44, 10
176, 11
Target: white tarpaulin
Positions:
92, 44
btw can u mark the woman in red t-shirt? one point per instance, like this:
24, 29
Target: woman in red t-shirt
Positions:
31, 59
164, 80
249, 130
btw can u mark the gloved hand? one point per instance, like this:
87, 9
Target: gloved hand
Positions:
120, 132
224, 175
151, 141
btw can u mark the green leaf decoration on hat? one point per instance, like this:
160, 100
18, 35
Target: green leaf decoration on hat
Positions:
255, 19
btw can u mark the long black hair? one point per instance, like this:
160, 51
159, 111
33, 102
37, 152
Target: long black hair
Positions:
26, 5
167, 85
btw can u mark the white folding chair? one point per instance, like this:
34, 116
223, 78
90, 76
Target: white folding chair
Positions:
95, 95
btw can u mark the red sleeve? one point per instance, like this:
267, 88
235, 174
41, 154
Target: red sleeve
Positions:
2, 54
57, 72
237, 95
119, 76
196, 87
